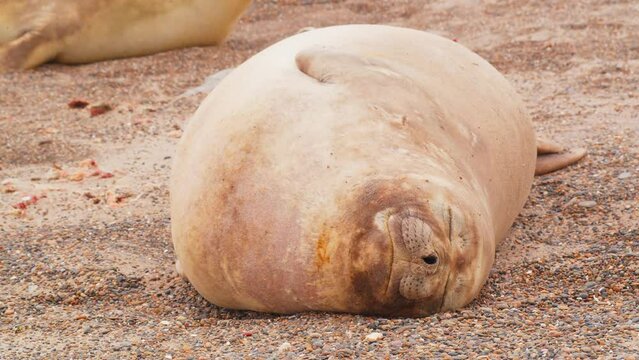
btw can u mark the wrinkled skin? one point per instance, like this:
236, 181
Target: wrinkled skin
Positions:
360, 168
33, 32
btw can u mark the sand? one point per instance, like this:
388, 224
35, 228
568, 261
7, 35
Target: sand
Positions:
86, 264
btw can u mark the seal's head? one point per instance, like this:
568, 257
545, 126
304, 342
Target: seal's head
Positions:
415, 254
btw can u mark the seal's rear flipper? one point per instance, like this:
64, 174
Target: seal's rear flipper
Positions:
552, 156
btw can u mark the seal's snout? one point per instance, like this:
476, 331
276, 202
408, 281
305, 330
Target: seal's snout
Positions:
419, 256
418, 240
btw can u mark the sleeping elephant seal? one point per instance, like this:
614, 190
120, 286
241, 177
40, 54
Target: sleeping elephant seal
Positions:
359, 168
33, 32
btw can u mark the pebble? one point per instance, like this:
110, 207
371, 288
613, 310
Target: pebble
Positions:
124, 345
624, 175
32, 289
587, 204
344, 353
374, 336
590, 284
284, 347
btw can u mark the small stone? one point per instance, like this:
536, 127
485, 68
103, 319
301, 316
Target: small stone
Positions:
284, 347
624, 175
88, 163
615, 287
590, 284
374, 336
53, 174
176, 134
100, 109
317, 343
78, 176
587, 204
32, 289
8, 188
77, 104
164, 322
124, 345
344, 353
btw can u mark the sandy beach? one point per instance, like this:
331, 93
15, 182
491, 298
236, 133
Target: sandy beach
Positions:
86, 261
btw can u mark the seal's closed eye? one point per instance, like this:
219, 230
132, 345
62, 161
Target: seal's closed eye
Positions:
430, 259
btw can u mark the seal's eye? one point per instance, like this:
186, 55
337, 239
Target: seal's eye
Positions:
430, 259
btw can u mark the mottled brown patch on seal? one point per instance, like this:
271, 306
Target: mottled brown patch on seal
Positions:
322, 257
242, 153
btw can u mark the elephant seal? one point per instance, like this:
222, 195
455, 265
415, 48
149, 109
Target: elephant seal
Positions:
360, 168
33, 32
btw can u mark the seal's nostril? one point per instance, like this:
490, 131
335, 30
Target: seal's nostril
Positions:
430, 259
